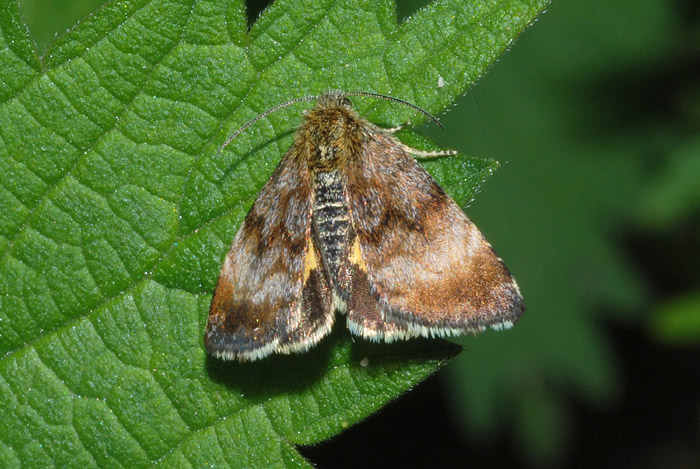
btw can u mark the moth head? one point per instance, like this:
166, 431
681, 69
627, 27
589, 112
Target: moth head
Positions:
334, 99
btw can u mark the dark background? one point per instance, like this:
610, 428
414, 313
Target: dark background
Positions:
594, 114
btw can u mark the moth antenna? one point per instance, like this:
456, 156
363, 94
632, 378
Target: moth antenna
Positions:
366, 94
263, 115
369, 94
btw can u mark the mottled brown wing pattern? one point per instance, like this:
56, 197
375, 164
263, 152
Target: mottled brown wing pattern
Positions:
349, 221
421, 267
271, 296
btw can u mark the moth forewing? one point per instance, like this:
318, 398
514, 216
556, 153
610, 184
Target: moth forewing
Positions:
269, 297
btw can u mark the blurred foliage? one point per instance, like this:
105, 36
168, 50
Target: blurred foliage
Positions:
678, 320
583, 118
673, 194
670, 211
597, 137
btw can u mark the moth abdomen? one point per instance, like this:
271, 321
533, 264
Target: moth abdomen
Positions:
331, 226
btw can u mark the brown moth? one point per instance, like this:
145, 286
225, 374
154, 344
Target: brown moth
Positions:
350, 222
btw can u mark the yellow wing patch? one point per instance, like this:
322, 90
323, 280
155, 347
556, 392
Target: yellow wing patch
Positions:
356, 256
311, 262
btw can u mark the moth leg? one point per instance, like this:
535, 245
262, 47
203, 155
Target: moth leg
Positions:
426, 154
393, 130
413, 151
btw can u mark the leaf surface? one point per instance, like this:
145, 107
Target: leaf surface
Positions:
116, 211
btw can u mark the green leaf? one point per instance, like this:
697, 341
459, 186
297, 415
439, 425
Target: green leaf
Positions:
678, 320
116, 212
556, 111
674, 194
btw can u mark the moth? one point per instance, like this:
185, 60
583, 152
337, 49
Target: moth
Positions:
349, 222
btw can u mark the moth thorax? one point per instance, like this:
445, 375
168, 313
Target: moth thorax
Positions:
331, 132
325, 158
329, 153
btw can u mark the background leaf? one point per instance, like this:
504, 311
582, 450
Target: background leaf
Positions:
678, 321
571, 114
118, 210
